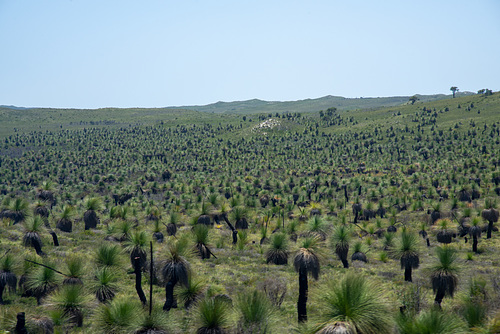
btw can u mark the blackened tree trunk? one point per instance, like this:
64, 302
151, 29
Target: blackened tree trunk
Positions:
138, 280
408, 274
90, 219
474, 243
21, 324
439, 296
345, 263
302, 302
2, 287
54, 238
235, 233
38, 248
169, 295
490, 228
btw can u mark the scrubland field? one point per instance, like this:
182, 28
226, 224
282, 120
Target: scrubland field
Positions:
375, 220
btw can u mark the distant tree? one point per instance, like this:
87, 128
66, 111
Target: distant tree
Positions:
454, 90
413, 99
481, 91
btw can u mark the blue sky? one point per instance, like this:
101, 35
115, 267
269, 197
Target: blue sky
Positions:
91, 54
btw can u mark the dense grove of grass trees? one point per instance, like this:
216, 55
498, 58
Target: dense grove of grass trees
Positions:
218, 227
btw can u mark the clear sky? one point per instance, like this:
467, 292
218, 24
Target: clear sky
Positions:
106, 53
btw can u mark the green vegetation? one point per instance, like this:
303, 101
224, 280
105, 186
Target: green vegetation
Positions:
243, 208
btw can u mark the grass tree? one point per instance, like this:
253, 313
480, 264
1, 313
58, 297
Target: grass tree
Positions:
204, 218
17, 210
40, 209
156, 322
213, 316
431, 321
75, 269
31, 238
108, 255
475, 232
444, 234
444, 274
104, 284
201, 240
306, 262
117, 316
90, 218
359, 253
255, 313
8, 278
136, 245
41, 282
490, 214
176, 270
192, 292
340, 242
71, 300
64, 222
407, 252
353, 304
278, 249
317, 227
238, 214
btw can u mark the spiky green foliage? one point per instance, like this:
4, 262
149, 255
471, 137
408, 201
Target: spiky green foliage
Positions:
7, 276
136, 246
357, 303
75, 269
192, 292
42, 282
67, 212
278, 249
108, 255
33, 226
340, 238
177, 267
317, 226
431, 321
158, 322
18, 210
93, 203
71, 299
117, 317
255, 313
212, 315
104, 284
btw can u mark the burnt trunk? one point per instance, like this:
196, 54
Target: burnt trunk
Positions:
302, 302
439, 296
138, 280
345, 263
169, 295
2, 286
90, 219
38, 248
408, 274
490, 228
21, 324
474, 244
54, 238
